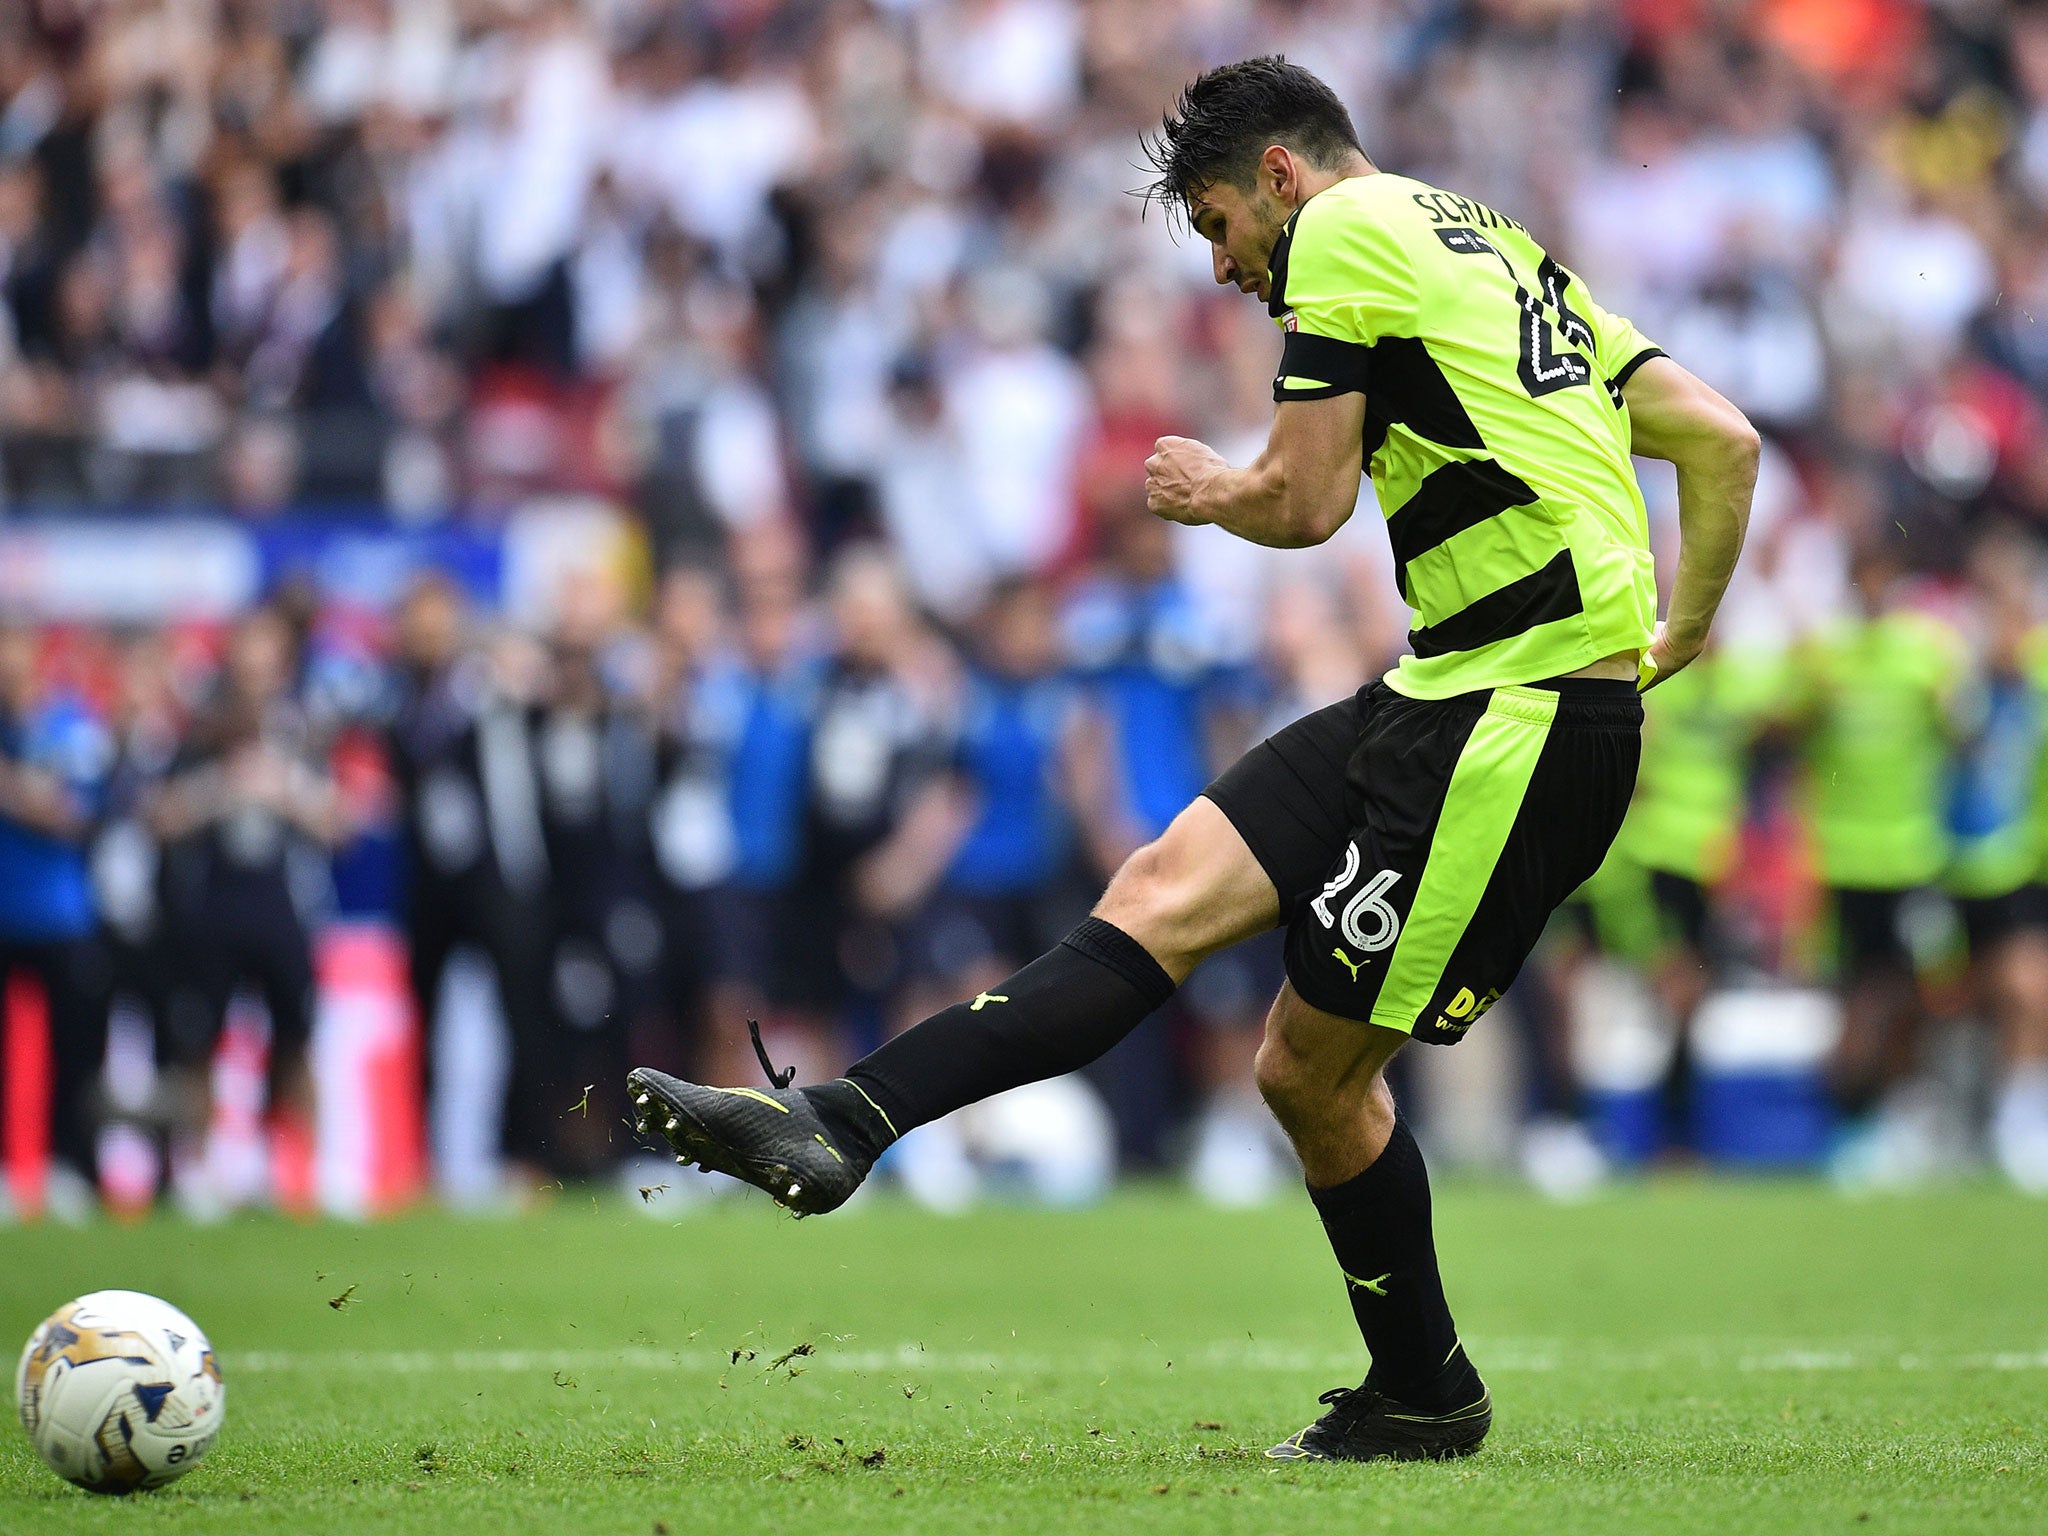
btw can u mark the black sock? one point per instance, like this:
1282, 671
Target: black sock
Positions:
1059, 1013
857, 1125
1378, 1226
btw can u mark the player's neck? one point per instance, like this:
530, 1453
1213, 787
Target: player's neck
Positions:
1315, 179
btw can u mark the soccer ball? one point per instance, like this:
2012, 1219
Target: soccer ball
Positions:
119, 1391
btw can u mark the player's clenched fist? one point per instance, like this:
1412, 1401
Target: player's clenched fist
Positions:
1174, 476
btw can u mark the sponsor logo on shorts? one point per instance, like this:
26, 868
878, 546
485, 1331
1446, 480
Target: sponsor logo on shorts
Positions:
1464, 1010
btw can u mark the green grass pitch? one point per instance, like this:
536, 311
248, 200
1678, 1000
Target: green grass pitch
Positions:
1676, 1357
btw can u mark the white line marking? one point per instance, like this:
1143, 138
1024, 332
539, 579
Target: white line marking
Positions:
1505, 1356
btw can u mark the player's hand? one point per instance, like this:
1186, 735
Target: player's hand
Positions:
1174, 477
1668, 654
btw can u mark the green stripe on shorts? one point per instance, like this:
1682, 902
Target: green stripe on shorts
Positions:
1479, 810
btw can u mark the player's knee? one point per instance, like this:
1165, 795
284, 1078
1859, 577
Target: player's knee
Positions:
1283, 1080
1155, 897
2025, 976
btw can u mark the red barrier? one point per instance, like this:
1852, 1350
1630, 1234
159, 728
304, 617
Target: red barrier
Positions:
27, 1103
368, 1154
372, 1139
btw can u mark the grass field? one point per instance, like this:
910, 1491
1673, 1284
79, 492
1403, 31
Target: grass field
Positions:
1678, 1357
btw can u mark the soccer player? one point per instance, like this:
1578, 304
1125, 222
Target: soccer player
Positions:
1682, 830
1878, 700
1995, 810
1411, 839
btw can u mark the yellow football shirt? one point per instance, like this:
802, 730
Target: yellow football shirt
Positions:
1495, 431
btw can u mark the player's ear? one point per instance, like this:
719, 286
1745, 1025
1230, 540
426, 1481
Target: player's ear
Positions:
1278, 172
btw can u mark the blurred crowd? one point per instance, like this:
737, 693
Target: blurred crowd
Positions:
846, 303
784, 794
873, 263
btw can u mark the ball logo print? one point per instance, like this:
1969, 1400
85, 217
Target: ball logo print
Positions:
120, 1391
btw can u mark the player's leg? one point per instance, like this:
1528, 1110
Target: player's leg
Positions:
1195, 890
1323, 1077
1234, 863
2017, 987
1887, 1137
1681, 975
279, 960
1216, 875
1481, 815
1880, 1005
78, 1046
1174, 902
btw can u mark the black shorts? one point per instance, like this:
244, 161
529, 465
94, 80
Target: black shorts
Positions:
1868, 935
785, 943
961, 933
1990, 920
1234, 987
1683, 908
1419, 846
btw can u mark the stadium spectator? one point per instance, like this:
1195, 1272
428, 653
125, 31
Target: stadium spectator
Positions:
774, 684
1165, 710
53, 766
692, 841
1994, 812
247, 812
879, 737
595, 776
145, 722
474, 858
998, 853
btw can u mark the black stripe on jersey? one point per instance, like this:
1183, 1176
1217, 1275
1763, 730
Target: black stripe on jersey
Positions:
1452, 499
1410, 390
1342, 367
1538, 598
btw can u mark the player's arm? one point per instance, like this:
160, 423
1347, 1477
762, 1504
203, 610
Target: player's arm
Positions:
1674, 416
905, 867
40, 801
1962, 693
1109, 830
1296, 493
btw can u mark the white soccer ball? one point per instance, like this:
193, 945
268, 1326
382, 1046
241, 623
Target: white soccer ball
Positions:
119, 1391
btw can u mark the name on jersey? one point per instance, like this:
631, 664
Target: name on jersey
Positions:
1449, 208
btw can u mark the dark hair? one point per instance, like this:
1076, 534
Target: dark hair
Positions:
1224, 119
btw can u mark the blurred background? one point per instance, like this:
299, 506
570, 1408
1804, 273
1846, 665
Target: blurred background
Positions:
534, 531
